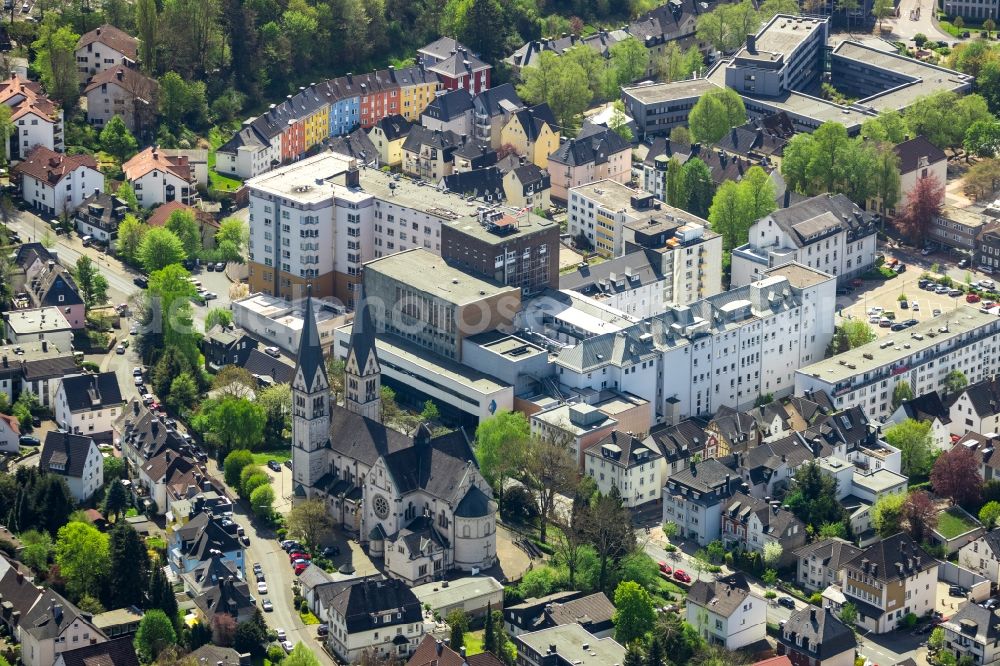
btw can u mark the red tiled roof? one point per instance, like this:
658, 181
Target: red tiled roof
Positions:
153, 159
50, 167
133, 82
111, 36
24, 96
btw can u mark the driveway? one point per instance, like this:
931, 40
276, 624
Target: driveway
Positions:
904, 29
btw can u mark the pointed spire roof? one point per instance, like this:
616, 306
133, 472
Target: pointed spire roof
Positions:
362, 332
310, 350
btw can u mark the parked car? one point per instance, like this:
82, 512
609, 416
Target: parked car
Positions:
896, 328
936, 312
267, 606
972, 298
940, 289
910, 322
954, 293
288, 544
210, 295
903, 305
681, 575
138, 380
137, 372
956, 591
262, 587
322, 630
220, 266
915, 306
134, 330
299, 568
884, 322
120, 349
923, 282
899, 268
295, 557
666, 569
857, 282
331, 551
787, 602
28, 440
964, 263
141, 282
272, 351
274, 465
876, 310
210, 267
287, 646
280, 633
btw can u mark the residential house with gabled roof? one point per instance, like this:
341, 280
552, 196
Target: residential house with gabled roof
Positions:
888, 580
52, 626
772, 420
202, 538
357, 145
628, 463
171, 475
928, 408
679, 443
820, 562
600, 42
483, 184
816, 637
76, 459
597, 153
455, 65
38, 121
693, 499
918, 158
118, 652
976, 408
973, 634
229, 595
729, 432
491, 109
726, 612
474, 154
767, 470
388, 135
983, 555
428, 154
754, 143
99, 215
749, 523
89, 404
593, 612
105, 48
10, 434
159, 178
380, 615
19, 593
209, 574
124, 92
55, 183
268, 369
533, 133
450, 110
52, 287
208, 226
528, 186
826, 232
143, 435
985, 448
224, 346
433, 652
672, 22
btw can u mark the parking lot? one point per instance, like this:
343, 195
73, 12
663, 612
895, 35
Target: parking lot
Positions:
885, 294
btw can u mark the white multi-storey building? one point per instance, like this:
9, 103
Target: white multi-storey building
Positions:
625, 462
826, 232
726, 612
687, 361
56, 183
964, 339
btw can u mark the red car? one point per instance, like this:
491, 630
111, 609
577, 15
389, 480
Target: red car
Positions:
857, 282
296, 555
666, 568
682, 576
299, 568
972, 298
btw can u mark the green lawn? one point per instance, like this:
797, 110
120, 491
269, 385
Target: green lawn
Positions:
216, 180
473, 642
308, 618
953, 522
281, 455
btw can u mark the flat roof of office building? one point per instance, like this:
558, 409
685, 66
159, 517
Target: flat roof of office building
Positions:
306, 181
612, 195
427, 272
652, 93
782, 35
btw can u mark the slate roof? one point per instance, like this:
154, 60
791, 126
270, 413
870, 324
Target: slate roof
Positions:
16, 588
911, 152
118, 652
462, 62
927, 407
394, 126
736, 427
495, 101
212, 654
420, 536
50, 167
594, 280
593, 609
64, 453
822, 634
886, 554
600, 42
533, 118
87, 392
249, 136
722, 596
50, 616
532, 178
475, 504
357, 145
117, 39
704, 477
809, 221
669, 21
974, 620
419, 136
774, 522
441, 47
667, 148
362, 343
448, 105
366, 601
228, 596
680, 441
752, 140
992, 541
594, 145
436, 467
481, 183
55, 289
130, 80
623, 449
210, 572
29, 253
985, 396
202, 534
259, 363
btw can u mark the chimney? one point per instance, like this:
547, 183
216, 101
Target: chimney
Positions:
57, 612
752, 44
45, 345
440, 647
120, 75
812, 614
461, 651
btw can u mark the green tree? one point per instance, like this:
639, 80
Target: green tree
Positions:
887, 183
130, 234
218, 317
501, 448
945, 117
169, 320
629, 62
184, 225
309, 521
936, 639
813, 497
231, 239
458, 621
881, 10
954, 382
83, 558
156, 632
116, 501
556, 81
594, 65
183, 393
161, 596
607, 526
232, 423
55, 61
300, 656
7, 129
913, 439
901, 393
253, 482
117, 140
619, 121
549, 470
989, 514
147, 18
699, 187
633, 654
677, 65
831, 144
849, 614
676, 192
887, 514
430, 412
635, 614
234, 464
888, 127
982, 138
92, 284
262, 502
160, 248
771, 8
772, 553
714, 114
37, 550
729, 214
129, 566
127, 194
769, 577
174, 99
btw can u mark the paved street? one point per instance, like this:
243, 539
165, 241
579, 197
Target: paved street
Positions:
904, 29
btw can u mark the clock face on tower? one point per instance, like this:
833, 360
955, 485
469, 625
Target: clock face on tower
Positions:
381, 506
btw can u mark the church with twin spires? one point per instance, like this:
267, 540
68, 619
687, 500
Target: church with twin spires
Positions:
416, 501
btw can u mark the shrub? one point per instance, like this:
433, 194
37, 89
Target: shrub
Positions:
816, 599
275, 654
770, 594
303, 606
920, 39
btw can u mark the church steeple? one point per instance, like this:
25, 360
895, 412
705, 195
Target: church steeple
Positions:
310, 404
310, 359
362, 373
